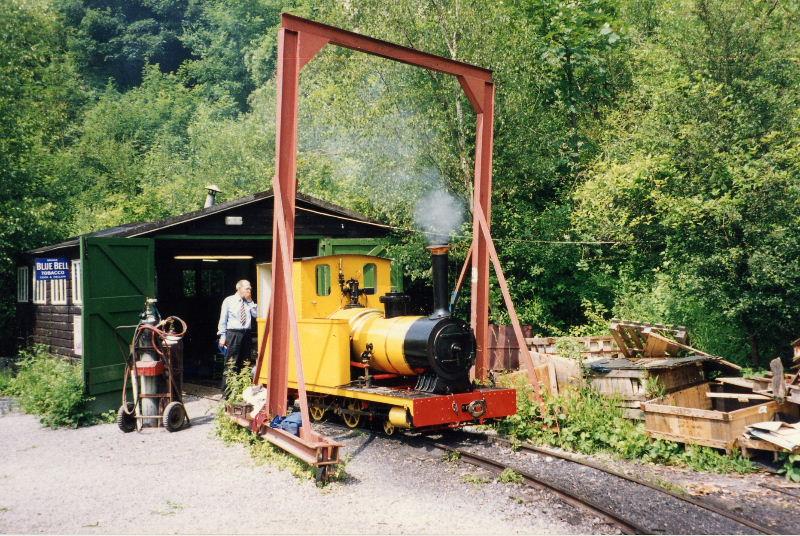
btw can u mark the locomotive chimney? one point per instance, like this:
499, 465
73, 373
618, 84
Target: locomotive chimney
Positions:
439, 262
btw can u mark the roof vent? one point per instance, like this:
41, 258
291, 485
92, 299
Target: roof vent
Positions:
211, 197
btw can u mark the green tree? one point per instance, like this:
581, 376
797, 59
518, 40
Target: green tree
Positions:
116, 38
40, 95
699, 175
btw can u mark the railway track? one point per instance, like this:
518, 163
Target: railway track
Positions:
574, 459
496, 467
697, 516
632, 505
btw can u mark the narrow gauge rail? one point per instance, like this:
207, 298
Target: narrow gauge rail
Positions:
574, 459
625, 523
497, 467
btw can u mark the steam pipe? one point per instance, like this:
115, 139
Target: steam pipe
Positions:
439, 264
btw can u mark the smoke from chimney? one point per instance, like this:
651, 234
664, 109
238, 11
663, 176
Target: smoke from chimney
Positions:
439, 214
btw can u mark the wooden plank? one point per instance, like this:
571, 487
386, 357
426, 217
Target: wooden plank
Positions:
739, 382
750, 443
708, 414
680, 438
789, 443
741, 397
623, 346
618, 373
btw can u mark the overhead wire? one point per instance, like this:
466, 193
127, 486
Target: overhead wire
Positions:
467, 237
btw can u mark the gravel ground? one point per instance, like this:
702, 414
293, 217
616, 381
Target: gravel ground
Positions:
98, 480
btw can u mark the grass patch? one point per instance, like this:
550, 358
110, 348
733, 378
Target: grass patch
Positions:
51, 387
791, 467
475, 480
451, 456
510, 476
6, 379
262, 451
582, 420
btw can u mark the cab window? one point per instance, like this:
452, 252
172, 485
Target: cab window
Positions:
323, 280
370, 275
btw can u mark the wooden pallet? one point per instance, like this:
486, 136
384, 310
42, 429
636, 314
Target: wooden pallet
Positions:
634, 339
592, 347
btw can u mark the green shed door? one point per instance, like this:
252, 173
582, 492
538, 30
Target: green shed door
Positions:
118, 274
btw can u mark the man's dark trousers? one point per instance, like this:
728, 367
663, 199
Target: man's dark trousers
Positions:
239, 343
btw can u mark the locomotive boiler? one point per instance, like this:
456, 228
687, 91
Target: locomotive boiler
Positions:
365, 359
439, 349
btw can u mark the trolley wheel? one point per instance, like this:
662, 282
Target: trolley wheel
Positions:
350, 416
388, 428
126, 420
174, 416
317, 413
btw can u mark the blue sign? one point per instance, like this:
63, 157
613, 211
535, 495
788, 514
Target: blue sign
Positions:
50, 269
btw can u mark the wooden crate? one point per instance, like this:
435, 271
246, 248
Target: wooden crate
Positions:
629, 380
689, 416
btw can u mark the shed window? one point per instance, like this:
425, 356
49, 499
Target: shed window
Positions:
212, 282
189, 283
323, 280
39, 290
77, 283
370, 275
58, 292
22, 284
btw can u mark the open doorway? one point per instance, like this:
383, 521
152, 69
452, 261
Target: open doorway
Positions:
193, 279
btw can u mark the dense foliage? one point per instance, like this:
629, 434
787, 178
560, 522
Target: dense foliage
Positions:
582, 420
647, 152
50, 387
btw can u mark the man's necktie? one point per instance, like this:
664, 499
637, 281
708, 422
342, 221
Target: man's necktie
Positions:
242, 315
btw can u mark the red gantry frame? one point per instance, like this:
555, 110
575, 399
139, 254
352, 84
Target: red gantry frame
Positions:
299, 40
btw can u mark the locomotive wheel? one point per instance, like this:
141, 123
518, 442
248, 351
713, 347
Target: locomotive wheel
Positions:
349, 415
126, 420
174, 416
317, 413
388, 428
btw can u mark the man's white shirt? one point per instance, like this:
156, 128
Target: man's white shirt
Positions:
229, 316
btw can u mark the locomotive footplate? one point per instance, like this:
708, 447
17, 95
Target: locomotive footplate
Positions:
432, 410
478, 405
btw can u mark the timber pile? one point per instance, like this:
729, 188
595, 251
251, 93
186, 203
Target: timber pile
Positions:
730, 412
681, 393
634, 381
634, 363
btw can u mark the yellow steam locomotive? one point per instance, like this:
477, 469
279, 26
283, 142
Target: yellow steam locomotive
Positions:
365, 359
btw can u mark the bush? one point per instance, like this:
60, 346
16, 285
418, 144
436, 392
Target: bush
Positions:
50, 387
6, 377
582, 420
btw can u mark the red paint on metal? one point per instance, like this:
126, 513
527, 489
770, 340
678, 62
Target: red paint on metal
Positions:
480, 259
524, 352
150, 368
299, 40
384, 49
451, 409
285, 181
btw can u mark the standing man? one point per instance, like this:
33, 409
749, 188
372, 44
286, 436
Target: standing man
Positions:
235, 319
